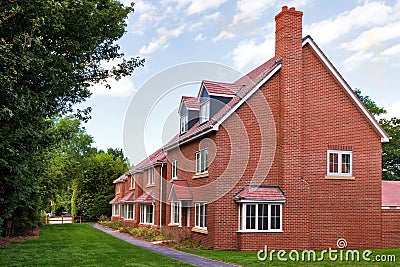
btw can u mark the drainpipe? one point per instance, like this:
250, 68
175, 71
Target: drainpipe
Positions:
161, 193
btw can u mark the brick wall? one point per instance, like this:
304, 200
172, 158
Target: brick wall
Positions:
391, 228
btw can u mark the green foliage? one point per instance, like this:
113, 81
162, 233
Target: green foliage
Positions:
370, 104
390, 150
50, 53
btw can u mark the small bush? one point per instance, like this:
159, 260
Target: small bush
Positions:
176, 235
103, 218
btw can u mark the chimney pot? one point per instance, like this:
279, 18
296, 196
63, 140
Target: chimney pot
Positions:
284, 8
292, 9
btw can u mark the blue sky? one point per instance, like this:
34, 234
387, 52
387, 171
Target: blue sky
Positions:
361, 38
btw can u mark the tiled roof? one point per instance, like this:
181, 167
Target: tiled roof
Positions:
182, 190
191, 102
130, 197
220, 88
245, 85
120, 179
115, 200
262, 192
390, 193
253, 76
156, 158
145, 198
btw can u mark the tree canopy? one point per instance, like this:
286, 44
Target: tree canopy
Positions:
390, 150
51, 52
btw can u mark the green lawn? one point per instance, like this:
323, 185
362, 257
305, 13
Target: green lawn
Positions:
250, 258
79, 245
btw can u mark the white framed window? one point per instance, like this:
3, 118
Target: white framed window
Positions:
147, 214
202, 161
128, 211
133, 182
184, 123
205, 111
151, 176
260, 217
200, 215
115, 210
339, 163
174, 169
176, 213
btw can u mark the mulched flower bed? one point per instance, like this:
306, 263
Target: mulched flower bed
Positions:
4, 242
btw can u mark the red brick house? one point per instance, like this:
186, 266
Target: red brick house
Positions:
286, 156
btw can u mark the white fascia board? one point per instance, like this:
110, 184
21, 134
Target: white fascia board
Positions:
223, 95
260, 201
308, 40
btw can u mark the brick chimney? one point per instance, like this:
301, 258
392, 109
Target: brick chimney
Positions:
288, 34
290, 148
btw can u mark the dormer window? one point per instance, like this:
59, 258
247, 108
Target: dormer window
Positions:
184, 123
205, 112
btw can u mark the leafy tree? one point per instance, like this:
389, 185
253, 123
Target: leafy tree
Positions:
50, 53
97, 188
391, 150
370, 104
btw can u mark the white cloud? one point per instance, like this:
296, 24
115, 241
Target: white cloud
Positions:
122, 88
393, 110
392, 51
250, 54
367, 15
198, 6
373, 37
206, 20
161, 42
199, 37
224, 35
356, 59
251, 10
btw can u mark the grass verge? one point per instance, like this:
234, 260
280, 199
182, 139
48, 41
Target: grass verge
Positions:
79, 245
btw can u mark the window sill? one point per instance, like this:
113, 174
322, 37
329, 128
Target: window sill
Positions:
200, 175
339, 177
259, 231
150, 185
146, 224
174, 224
200, 230
132, 188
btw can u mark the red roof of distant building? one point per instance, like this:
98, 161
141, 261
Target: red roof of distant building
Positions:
145, 197
390, 193
130, 197
265, 193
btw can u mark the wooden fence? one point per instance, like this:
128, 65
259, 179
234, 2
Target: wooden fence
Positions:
61, 219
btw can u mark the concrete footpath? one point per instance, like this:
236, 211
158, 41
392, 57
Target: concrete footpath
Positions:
169, 252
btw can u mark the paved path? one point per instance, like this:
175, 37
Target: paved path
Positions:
172, 253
